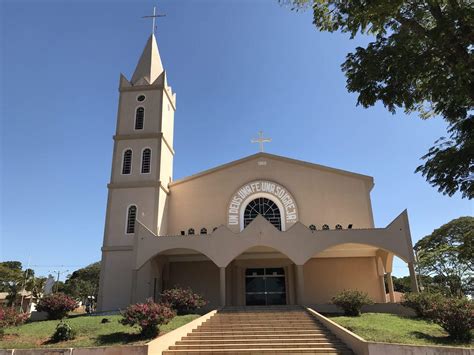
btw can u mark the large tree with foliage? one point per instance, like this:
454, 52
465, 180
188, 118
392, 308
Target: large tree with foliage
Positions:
421, 59
84, 282
447, 255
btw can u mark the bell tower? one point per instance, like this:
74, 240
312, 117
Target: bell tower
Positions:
142, 168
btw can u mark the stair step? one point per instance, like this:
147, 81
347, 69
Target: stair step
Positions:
262, 351
260, 336
259, 332
306, 345
246, 341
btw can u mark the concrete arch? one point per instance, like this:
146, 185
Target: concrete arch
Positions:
198, 250
373, 239
374, 245
252, 244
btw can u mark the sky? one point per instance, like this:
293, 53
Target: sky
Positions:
237, 67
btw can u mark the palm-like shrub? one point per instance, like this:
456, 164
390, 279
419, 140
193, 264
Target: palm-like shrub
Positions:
351, 301
148, 316
57, 305
183, 300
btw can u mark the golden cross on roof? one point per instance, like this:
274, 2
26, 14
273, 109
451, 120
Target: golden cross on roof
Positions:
154, 17
260, 140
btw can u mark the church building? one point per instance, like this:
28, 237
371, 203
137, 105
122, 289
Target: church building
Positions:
261, 230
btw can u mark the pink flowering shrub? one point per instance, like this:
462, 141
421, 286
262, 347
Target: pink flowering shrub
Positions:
57, 305
148, 316
456, 316
10, 317
183, 300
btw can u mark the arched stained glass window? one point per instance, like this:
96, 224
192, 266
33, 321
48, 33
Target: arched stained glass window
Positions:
146, 161
265, 207
203, 231
131, 218
127, 162
191, 231
325, 227
139, 118
312, 227
338, 226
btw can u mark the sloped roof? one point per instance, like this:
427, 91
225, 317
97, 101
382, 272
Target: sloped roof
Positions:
367, 178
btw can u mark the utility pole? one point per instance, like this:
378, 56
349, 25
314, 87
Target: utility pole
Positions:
58, 273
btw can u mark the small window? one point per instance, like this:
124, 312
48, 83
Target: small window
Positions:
141, 98
325, 227
349, 226
139, 118
190, 231
183, 233
127, 162
203, 231
146, 161
338, 226
312, 227
131, 218
214, 229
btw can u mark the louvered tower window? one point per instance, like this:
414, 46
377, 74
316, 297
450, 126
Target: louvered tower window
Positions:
139, 118
127, 162
131, 218
146, 161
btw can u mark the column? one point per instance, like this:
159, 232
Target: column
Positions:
414, 281
299, 284
133, 291
390, 287
222, 285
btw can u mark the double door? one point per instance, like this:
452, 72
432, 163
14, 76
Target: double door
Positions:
265, 286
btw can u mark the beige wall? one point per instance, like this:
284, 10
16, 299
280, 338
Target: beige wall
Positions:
201, 276
115, 280
323, 196
325, 277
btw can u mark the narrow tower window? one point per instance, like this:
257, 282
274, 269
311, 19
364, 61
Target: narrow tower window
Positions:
127, 162
139, 118
146, 160
131, 217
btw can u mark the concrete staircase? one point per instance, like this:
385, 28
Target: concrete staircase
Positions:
260, 330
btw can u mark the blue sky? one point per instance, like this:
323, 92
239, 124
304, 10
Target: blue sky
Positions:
237, 67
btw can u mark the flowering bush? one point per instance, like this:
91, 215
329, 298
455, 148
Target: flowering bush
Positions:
422, 303
183, 300
57, 305
456, 316
63, 332
148, 316
351, 301
10, 317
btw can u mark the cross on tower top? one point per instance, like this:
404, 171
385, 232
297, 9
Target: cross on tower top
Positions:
154, 17
260, 140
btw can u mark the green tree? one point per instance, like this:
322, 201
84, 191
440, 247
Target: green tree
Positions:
421, 59
447, 255
84, 282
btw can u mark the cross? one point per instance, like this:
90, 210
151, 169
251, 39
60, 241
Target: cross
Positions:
154, 16
260, 140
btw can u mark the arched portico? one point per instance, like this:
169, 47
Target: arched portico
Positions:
298, 245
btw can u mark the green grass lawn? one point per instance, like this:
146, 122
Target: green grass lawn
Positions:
89, 332
391, 328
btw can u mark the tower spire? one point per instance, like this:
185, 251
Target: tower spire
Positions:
149, 66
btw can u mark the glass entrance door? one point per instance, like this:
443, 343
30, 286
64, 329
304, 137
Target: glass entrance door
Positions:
265, 286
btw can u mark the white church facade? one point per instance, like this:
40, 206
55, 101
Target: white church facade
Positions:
262, 230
